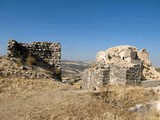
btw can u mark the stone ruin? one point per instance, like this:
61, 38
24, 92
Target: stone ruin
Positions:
44, 56
149, 72
119, 65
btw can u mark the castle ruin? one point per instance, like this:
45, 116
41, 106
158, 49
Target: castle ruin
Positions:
42, 56
119, 65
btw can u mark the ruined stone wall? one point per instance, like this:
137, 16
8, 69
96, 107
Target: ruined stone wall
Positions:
114, 74
50, 52
119, 65
134, 74
95, 77
117, 74
122, 75
149, 71
46, 54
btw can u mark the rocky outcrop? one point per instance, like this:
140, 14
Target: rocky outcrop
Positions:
12, 69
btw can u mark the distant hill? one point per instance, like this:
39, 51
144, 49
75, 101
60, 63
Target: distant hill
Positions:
73, 69
157, 69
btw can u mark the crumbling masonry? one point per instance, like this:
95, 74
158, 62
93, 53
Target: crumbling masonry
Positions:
117, 66
46, 55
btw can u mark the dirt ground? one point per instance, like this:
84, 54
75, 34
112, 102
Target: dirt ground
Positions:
22, 99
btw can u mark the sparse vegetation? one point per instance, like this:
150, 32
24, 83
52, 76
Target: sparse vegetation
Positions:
31, 60
50, 100
20, 61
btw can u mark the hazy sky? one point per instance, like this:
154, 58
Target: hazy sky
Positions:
83, 27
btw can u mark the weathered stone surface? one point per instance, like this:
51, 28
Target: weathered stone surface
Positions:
125, 65
150, 83
149, 72
12, 70
45, 55
117, 66
94, 78
117, 75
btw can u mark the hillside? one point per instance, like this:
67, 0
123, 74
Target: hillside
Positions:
24, 99
71, 70
157, 69
46, 99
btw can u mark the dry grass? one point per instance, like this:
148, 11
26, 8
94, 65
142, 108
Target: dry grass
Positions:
126, 94
122, 98
19, 61
31, 60
50, 100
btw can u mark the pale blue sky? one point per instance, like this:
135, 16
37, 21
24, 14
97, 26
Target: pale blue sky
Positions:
83, 27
